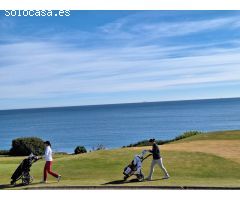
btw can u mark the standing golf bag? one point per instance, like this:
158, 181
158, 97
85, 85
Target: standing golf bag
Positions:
131, 169
23, 171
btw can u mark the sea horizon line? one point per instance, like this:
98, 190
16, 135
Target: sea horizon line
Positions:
115, 104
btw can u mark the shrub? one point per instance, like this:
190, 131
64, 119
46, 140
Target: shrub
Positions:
187, 134
80, 149
26, 146
4, 152
99, 147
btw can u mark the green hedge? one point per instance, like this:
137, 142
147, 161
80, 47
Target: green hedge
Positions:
146, 143
187, 134
160, 142
26, 146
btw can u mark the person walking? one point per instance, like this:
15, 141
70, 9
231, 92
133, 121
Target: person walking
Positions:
157, 159
48, 165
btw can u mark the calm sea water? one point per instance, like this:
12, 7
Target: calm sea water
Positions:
117, 125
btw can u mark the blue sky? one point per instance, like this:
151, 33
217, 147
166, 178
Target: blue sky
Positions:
102, 57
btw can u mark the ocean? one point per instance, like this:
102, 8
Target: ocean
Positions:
117, 125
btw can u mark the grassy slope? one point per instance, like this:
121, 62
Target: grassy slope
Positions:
222, 143
217, 135
187, 168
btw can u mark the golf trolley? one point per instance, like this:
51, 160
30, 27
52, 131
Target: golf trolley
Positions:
23, 171
131, 169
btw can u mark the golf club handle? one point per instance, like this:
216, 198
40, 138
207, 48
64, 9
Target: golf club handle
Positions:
146, 157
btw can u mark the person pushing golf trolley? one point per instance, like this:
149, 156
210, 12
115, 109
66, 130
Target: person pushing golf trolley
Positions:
48, 165
23, 170
157, 159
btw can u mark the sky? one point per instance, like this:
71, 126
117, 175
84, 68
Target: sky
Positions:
105, 57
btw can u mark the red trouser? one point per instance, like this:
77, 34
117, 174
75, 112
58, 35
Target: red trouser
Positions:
48, 169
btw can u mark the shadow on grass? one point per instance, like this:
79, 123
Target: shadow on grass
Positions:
6, 186
119, 182
9, 186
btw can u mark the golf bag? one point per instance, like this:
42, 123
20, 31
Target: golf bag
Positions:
23, 171
132, 168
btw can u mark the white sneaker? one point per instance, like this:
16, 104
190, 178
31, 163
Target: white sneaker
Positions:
59, 178
43, 182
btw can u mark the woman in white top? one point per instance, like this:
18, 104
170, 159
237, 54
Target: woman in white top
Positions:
48, 165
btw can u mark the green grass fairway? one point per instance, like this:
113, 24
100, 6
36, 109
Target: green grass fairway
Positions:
104, 168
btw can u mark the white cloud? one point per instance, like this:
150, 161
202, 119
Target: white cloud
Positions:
38, 70
184, 28
128, 29
32, 69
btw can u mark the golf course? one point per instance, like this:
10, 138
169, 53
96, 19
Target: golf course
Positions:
209, 160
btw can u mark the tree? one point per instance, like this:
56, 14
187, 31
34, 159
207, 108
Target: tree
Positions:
26, 146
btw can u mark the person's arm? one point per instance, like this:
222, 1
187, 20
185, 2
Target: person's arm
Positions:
151, 150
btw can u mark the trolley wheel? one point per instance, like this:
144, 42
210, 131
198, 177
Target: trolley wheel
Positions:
140, 177
27, 180
13, 183
125, 178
